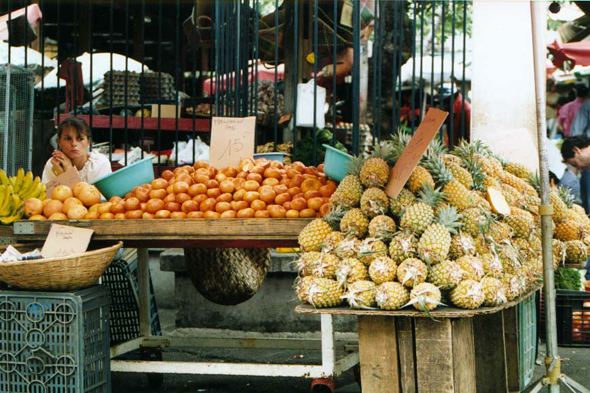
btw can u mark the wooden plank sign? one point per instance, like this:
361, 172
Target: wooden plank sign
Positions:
411, 155
69, 178
63, 241
232, 138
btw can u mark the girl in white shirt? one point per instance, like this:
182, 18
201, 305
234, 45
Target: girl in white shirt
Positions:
73, 138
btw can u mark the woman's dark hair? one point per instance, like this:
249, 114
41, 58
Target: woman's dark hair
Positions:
581, 91
78, 124
567, 148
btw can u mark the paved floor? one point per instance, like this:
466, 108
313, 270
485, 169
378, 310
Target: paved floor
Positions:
576, 361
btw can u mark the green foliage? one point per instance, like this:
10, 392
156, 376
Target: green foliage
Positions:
304, 147
566, 278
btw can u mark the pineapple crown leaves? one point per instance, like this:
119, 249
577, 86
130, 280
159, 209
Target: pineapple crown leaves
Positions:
485, 227
436, 148
334, 217
449, 218
355, 164
385, 152
474, 168
398, 143
566, 196
438, 169
535, 181
431, 196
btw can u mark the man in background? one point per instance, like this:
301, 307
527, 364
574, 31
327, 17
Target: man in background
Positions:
567, 113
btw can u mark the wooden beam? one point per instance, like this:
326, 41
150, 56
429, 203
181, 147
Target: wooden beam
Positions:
378, 354
406, 354
490, 353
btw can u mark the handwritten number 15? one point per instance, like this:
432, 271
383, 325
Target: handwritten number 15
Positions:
233, 146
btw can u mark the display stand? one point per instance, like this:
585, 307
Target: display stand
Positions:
205, 233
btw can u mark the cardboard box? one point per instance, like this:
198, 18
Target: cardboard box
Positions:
167, 110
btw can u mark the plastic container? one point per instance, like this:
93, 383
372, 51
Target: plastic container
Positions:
124, 180
121, 279
573, 318
271, 156
336, 163
55, 342
527, 340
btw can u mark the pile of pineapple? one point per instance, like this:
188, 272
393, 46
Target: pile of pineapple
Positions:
442, 241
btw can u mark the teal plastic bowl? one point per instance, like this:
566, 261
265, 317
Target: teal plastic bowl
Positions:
336, 163
271, 156
124, 180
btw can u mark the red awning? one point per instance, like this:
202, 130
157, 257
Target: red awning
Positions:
576, 52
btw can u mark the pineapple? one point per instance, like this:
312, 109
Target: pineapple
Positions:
404, 245
382, 227
567, 230
468, 294
411, 272
456, 194
473, 220
492, 265
521, 224
510, 194
519, 184
331, 241
370, 249
450, 159
307, 261
425, 297
514, 286
483, 245
398, 205
446, 275
472, 266
374, 202
434, 244
461, 244
302, 285
348, 247
559, 207
354, 223
315, 233
419, 178
500, 231
351, 270
494, 292
326, 268
361, 294
518, 170
462, 175
420, 215
324, 292
375, 171
575, 252
391, 296
382, 269
349, 192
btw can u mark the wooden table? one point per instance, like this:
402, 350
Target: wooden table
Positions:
455, 351
204, 233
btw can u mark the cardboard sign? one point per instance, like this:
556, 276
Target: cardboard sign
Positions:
232, 138
63, 241
69, 178
411, 155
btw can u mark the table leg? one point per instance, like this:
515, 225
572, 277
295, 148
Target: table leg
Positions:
490, 353
143, 278
378, 354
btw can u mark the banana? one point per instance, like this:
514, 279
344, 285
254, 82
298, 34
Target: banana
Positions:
17, 211
27, 192
36, 193
20, 177
5, 206
28, 180
3, 178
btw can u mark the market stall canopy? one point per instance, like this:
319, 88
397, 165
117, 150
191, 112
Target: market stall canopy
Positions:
576, 52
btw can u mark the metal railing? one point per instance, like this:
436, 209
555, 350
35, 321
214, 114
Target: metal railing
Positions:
220, 58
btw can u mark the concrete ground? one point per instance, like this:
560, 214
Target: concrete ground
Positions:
575, 361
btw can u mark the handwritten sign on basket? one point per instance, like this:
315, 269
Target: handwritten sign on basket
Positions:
411, 155
63, 241
232, 138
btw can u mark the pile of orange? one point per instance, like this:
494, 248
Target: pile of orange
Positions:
255, 189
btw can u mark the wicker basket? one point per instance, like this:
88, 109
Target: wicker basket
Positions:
58, 274
227, 276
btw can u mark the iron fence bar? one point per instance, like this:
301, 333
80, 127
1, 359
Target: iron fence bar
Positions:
217, 58
194, 95
159, 131
422, 7
246, 59
26, 46
177, 82
315, 79
295, 73
334, 79
379, 7
413, 106
75, 55
90, 44
375, 64
463, 125
10, 37
111, 27
432, 43
276, 89
394, 117
57, 100
126, 78
400, 59
442, 56
356, 87
142, 78
452, 103
238, 74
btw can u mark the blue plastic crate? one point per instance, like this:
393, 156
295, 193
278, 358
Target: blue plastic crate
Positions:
527, 340
55, 342
121, 279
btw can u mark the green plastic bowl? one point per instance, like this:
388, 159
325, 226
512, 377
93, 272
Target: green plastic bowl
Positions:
124, 180
336, 163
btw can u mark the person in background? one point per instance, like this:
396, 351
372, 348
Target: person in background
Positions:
73, 139
576, 152
567, 113
564, 175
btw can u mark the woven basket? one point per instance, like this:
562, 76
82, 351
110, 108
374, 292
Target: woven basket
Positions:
58, 274
227, 276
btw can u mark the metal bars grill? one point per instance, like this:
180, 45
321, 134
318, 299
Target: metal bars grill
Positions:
229, 52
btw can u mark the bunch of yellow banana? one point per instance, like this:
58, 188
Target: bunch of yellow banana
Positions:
16, 189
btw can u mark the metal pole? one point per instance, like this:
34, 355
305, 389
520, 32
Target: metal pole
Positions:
539, 23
